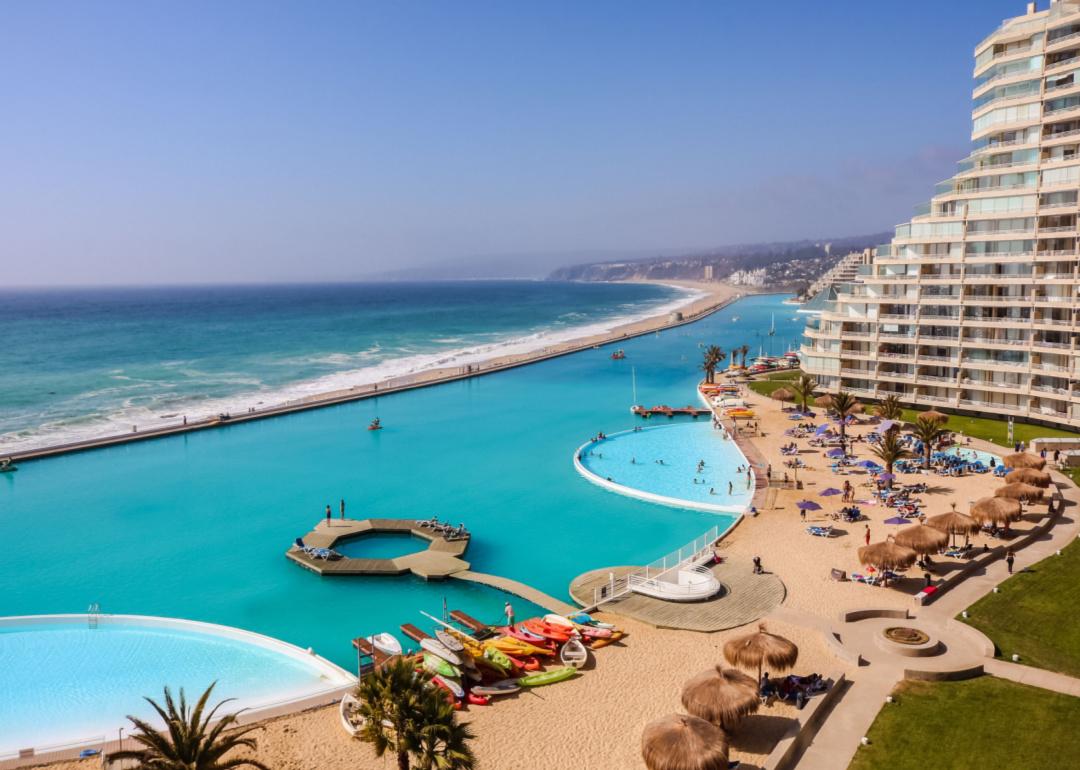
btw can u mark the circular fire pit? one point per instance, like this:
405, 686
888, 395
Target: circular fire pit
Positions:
906, 635
908, 641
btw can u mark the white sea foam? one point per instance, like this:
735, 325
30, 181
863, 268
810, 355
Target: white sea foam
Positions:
152, 413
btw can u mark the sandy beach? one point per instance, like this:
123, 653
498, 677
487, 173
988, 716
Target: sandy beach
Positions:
715, 296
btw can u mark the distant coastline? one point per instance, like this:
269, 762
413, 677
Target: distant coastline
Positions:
706, 299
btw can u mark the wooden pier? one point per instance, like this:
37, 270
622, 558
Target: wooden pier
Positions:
439, 560
668, 411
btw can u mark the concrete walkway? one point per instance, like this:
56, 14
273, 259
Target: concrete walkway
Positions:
539, 598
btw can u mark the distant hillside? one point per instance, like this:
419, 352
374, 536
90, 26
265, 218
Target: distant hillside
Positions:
786, 265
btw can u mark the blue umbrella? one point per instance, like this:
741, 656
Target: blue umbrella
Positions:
886, 477
887, 425
868, 464
807, 505
898, 520
822, 429
836, 454
829, 492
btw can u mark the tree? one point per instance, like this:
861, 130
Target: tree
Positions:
188, 741
889, 408
889, 449
844, 404
743, 351
928, 431
711, 358
405, 714
804, 389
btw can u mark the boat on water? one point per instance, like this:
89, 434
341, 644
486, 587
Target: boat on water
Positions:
735, 319
7, 466
618, 355
375, 424
385, 643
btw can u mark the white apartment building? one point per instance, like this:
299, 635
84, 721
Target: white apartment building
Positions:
973, 306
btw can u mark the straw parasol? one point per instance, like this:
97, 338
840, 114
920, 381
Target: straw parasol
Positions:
953, 523
1028, 476
887, 555
935, 415
681, 742
922, 539
857, 408
753, 650
722, 696
783, 394
824, 401
1021, 492
1024, 460
996, 510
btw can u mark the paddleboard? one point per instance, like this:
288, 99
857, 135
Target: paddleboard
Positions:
435, 647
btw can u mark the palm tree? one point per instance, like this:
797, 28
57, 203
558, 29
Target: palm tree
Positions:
928, 431
711, 359
405, 714
188, 742
744, 350
889, 408
804, 389
843, 403
890, 449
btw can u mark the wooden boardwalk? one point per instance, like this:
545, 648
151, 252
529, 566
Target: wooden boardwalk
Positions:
746, 597
539, 598
439, 560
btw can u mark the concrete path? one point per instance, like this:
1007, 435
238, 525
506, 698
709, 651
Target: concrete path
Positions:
539, 598
1036, 677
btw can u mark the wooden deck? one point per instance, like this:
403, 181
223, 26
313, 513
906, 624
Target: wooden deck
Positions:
746, 597
539, 598
439, 560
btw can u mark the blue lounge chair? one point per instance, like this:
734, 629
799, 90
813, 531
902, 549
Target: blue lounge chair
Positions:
820, 531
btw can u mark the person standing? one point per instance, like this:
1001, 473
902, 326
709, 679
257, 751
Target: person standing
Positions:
328, 514
757, 566
509, 612
1010, 557
343, 507
867, 534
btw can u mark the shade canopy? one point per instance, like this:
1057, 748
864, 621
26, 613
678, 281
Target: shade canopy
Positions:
807, 505
822, 429
1017, 491
898, 520
836, 454
829, 492
761, 648
922, 539
935, 415
722, 696
783, 394
681, 742
954, 523
886, 476
825, 401
886, 426
887, 555
996, 510
1031, 476
1024, 460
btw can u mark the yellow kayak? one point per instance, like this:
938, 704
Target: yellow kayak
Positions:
512, 646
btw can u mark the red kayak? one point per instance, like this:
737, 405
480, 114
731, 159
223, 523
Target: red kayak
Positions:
547, 630
478, 700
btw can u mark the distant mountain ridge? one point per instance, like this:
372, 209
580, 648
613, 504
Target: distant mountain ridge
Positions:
781, 264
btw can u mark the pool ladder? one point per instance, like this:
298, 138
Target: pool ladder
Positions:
92, 613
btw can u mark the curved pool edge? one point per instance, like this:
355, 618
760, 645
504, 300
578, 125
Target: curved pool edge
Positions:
339, 681
651, 497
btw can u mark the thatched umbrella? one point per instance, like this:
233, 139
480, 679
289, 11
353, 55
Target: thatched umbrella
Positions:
824, 401
681, 742
954, 523
922, 539
996, 510
1028, 476
722, 696
753, 650
887, 555
858, 408
783, 394
1022, 492
1024, 460
935, 415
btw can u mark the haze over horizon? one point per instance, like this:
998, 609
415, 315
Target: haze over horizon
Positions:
249, 142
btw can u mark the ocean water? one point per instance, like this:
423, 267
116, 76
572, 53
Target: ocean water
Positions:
82, 363
196, 526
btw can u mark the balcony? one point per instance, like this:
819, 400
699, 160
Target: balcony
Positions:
991, 406
896, 356
940, 359
1054, 345
1064, 392
934, 378
924, 398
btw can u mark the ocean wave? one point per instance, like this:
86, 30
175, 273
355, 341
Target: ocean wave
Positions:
405, 362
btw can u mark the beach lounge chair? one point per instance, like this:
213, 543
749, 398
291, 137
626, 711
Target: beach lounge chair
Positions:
958, 551
820, 531
870, 580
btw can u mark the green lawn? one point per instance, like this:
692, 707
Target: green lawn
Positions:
979, 724
773, 381
1035, 614
996, 429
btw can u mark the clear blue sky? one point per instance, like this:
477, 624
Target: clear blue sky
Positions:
223, 141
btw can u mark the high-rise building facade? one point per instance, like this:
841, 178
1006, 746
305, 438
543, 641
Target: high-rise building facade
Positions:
973, 305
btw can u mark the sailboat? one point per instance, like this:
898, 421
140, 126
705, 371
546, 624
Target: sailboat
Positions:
772, 329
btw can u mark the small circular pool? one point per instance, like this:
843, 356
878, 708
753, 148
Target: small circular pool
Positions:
65, 681
381, 545
972, 455
661, 464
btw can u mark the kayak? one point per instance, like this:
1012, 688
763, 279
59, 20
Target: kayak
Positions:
573, 653
385, 643
512, 646
596, 644
526, 635
557, 620
497, 658
505, 687
547, 630
594, 633
451, 685
448, 640
435, 647
437, 665
547, 677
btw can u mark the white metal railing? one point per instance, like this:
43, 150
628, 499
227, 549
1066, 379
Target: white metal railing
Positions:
689, 556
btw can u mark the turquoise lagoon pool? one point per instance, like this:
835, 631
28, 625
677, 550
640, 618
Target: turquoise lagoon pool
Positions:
660, 463
74, 682
973, 455
196, 526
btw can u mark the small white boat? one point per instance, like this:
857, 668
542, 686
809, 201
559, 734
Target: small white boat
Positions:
574, 653
451, 684
385, 643
734, 318
350, 714
437, 648
449, 641
558, 620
